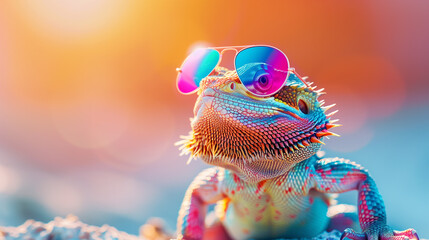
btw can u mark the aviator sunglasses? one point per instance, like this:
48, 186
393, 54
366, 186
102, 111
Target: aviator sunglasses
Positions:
262, 69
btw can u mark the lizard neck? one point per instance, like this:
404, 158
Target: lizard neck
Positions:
267, 171
254, 171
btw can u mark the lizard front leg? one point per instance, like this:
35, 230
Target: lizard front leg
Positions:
339, 175
204, 190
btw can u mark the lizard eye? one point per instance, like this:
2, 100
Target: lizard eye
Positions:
232, 86
302, 105
263, 81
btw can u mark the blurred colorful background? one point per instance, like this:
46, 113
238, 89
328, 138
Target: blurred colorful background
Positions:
89, 111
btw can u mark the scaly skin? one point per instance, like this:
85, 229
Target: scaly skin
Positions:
268, 182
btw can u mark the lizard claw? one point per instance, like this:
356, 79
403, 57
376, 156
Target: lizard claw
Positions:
409, 233
351, 234
383, 233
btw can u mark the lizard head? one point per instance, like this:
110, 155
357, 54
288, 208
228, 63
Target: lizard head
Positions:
256, 137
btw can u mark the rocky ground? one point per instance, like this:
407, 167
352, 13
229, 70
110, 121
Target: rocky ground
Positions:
71, 228
63, 228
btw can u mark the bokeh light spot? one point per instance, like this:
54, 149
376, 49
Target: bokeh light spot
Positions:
91, 123
143, 143
73, 19
9, 180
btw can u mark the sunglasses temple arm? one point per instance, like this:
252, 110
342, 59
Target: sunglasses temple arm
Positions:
299, 76
296, 74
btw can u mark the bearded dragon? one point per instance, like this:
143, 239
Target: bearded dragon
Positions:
268, 180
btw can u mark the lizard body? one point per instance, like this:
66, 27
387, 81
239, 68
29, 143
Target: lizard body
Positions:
268, 182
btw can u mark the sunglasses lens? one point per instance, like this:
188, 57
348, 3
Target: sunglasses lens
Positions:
262, 70
197, 66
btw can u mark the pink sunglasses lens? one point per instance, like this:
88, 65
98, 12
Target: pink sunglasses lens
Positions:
262, 70
196, 66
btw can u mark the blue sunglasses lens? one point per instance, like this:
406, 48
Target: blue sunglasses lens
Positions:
262, 70
196, 66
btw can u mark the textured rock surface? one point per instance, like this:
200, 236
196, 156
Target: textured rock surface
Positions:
62, 228
72, 228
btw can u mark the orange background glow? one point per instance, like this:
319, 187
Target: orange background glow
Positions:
89, 111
